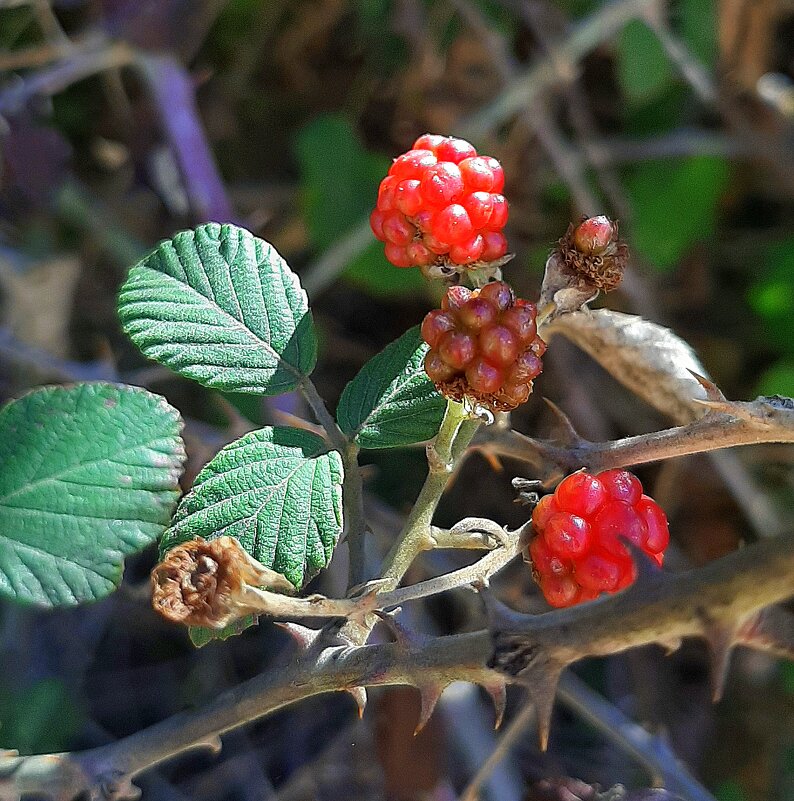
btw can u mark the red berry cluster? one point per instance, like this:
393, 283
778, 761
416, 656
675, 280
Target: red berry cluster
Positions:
576, 549
484, 346
441, 204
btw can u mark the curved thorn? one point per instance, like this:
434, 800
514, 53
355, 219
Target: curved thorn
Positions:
303, 636
498, 692
713, 392
648, 570
722, 407
670, 645
214, 744
428, 695
721, 640
771, 630
494, 462
359, 695
542, 693
499, 616
570, 436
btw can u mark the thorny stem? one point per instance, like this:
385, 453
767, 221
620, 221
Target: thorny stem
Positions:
723, 593
443, 454
727, 425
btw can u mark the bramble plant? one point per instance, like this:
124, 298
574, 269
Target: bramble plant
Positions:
89, 474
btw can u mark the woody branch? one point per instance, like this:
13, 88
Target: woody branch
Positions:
719, 601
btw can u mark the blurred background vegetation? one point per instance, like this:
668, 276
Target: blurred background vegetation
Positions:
122, 121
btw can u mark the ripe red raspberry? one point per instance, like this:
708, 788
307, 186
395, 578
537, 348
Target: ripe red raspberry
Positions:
441, 208
484, 346
577, 549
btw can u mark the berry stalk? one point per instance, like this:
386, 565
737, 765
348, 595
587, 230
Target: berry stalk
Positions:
456, 432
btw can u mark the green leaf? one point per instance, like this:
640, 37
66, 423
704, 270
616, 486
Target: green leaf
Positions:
88, 475
278, 491
644, 71
201, 636
675, 205
392, 402
339, 181
221, 307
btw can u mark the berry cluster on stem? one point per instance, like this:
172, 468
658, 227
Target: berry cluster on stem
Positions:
440, 207
579, 546
484, 346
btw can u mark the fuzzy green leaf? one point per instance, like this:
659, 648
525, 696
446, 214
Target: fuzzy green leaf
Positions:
88, 475
392, 402
222, 307
278, 491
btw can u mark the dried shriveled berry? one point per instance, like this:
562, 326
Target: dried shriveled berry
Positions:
488, 339
592, 252
580, 532
444, 197
203, 583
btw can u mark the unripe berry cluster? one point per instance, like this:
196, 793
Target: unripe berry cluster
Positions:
483, 346
441, 204
577, 550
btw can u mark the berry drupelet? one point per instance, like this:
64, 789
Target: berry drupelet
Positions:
440, 207
483, 346
577, 550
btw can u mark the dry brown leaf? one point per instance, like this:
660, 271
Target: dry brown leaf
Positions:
649, 359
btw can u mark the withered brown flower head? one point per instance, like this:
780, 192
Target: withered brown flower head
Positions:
591, 250
203, 583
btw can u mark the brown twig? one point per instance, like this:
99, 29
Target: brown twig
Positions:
727, 424
716, 601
